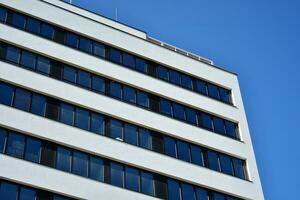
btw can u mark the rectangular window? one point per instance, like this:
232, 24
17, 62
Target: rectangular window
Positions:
170, 146
201, 87
2, 140
202, 194
33, 25
47, 31
160, 184
186, 81
48, 157
99, 50
52, 109
67, 114
130, 134
71, 40
129, 60
218, 196
84, 79
27, 194
64, 157
142, 99
22, 99
162, 73
183, 151
147, 183
231, 129
82, 119
38, 105
116, 174
33, 150
191, 116
98, 84
59, 35
145, 139
219, 125
165, 107
132, 179
3, 14
97, 123
8, 191
70, 74
43, 65
13, 54
175, 77
206, 121
56, 69
28, 60
141, 65
115, 90
115, 130
6, 94
157, 143
85, 45
115, 55
187, 191
2, 51
225, 95
178, 111
18, 20
173, 189
226, 165
239, 168
196, 154
15, 145
213, 160
96, 169
80, 163
129, 94
213, 91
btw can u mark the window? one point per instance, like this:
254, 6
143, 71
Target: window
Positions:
97, 123
80, 164
85, 45
55, 197
33, 25
116, 174
173, 190
64, 157
27, 194
3, 14
99, 50
219, 125
8, 191
22, 99
96, 169
129, 94
186, 81
142, 99
47, 31
141, 65
187, 191
43, 65
13, 54
178, 111
128, 60
28, 60
239, 168
132, 179
2, 51
82, 118
175, 77
115, 90
231, 129
6, 94
165, 107
160, 184
191, 116
33, 150
213, 160
98, 84
206, 121
218, 196
70, 74
48, 156
71, 40
2, 140
225, 95
15, 145
144, 139
147, 183
170, 146
162, 73
201, 194
116, 130
130, 134
226, 166
201, 87
213, 91
84, 79
38, 105
183, 151
67, 114
52, 109
115, 56
18, 20
157, 143
196, 154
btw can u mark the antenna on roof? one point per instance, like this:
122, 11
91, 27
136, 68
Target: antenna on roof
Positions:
116, 14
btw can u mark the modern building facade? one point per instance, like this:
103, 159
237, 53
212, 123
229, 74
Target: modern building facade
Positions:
95, 109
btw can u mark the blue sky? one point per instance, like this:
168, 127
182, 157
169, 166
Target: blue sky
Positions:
257, 39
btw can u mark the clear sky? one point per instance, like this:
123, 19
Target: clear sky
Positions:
257, 39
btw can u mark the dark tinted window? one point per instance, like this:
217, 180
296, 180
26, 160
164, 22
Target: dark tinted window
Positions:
85, 45
70, 74
33, 150
3, 14
47, 31
196, 154
98, 84
97, 123
82, 118
13, 54
8, 191
64, 157
2, 140
218, 196
18, 20
67, 114
27, 194
219, 125
224, 95
213, 91
80, 164
173, 190
22, 99
43, 65
186, 81
170, 146
33, 25
213, 160
162, 73
99, 50
96, 169
175, 77
201, 194
115, 90
141, 65
28, 60
147, 183
116, 174
84, 79
6, 94
226, 166
231, 129
142, 99
144, 139
15, 145
115, 55
38, 104
201, 87
239, 169
191, 116
128, 60
165, 107
183, 151
206, 121
187, 192
72, 40
130, 134
129, 94
132, 179
178, 111
116, 129
52, 109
